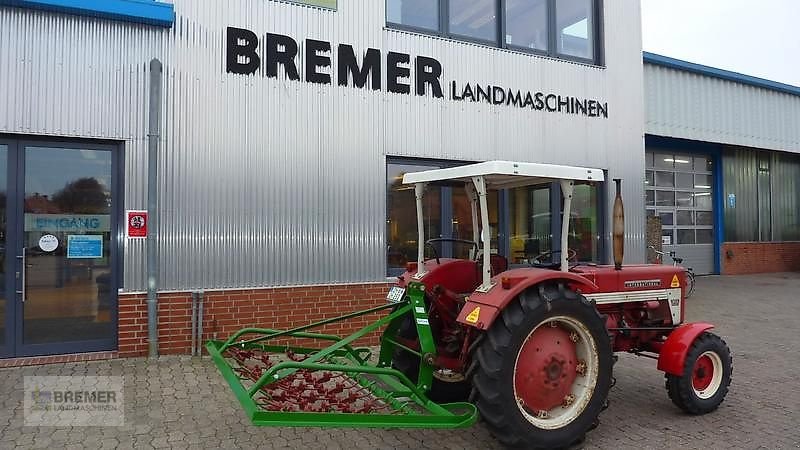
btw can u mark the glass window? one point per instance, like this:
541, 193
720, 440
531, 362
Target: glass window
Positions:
683, 162
666, 218
650, 198
649, 178
702, 200
447, 214
702, 164
705, 236
575, 28
664, 161
583, 237
474, 18
462, 222
684, 180
665, 198
684, 199
401, 220
414, 13
530, 222
665, 179
705, 218
526, 23
685, 218
702, 182
686, 236
648, 159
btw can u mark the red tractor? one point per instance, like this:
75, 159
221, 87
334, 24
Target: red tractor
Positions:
530, 349
534, 346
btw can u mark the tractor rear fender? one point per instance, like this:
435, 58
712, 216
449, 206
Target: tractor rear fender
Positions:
482, 308
672, 357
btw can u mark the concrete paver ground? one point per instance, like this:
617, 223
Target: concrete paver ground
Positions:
182, 402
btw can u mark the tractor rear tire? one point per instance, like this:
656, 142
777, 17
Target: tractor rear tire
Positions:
549, 344
706, 376
441, 391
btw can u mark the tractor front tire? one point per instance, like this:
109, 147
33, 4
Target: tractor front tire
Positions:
544, 369
706, 376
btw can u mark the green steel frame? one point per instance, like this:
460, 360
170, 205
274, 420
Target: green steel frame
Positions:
411, 407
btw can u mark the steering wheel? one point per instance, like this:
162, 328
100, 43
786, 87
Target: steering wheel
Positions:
430, 242
539, 260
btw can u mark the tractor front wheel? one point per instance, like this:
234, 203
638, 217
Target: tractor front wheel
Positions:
706, 376
544, 369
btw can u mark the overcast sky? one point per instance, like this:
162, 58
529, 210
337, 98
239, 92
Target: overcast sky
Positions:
754, 37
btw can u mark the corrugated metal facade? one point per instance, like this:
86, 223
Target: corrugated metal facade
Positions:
740, 176
687, 105
274, 182
766, 195
786, 197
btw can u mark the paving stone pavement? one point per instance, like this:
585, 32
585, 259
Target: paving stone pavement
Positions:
182, 402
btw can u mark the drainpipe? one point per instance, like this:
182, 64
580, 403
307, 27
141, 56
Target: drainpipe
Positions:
152, 205
200, 323
194, 323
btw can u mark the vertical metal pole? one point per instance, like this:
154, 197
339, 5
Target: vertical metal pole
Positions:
419, 192
486, 235
567, 190
473, 205
152, 205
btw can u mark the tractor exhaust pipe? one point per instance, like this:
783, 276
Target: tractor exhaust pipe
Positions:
618, 227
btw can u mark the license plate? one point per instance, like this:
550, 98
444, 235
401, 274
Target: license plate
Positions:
395, 294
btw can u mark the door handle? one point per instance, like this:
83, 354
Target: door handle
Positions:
24, 270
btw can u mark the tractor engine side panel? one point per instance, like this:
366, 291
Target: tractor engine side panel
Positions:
639, 302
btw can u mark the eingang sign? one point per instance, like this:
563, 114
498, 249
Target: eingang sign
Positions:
244, 57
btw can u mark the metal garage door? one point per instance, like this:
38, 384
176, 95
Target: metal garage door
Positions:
679, 190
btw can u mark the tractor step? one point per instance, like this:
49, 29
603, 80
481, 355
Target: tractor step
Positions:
333, 386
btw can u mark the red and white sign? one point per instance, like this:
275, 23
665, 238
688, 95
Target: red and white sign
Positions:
136, 224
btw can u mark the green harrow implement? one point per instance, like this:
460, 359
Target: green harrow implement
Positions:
336, 386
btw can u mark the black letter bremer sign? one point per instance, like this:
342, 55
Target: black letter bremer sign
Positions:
280, 56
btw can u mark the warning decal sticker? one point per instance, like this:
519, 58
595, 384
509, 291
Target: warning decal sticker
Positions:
473, 316
675, 282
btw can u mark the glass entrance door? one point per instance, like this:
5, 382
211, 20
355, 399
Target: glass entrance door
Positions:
61, 249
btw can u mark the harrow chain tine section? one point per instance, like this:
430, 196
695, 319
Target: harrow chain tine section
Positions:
312, 391
331, 386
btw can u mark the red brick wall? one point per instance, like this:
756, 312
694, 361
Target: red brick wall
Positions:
225, 312
760, 257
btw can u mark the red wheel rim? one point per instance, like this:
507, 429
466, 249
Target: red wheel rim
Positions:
545, 369
702, 373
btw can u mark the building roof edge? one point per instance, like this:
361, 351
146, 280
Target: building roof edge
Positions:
665, 61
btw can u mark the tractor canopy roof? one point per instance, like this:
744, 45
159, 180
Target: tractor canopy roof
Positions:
505, 174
